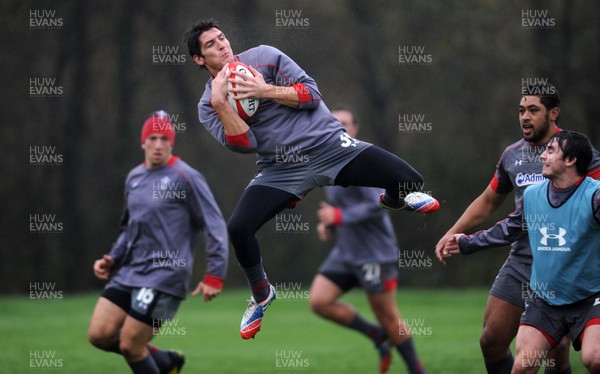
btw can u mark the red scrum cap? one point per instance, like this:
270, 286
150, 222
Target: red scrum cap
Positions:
158, 123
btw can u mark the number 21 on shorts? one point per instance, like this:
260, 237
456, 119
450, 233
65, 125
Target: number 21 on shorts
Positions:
372, 272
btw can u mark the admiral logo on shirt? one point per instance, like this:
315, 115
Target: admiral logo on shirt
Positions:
524, 179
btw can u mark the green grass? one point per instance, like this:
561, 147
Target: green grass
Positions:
208, 334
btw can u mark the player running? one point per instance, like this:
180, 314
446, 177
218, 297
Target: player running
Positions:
166, 204
562, 221
365, 255
519, 166
292, 122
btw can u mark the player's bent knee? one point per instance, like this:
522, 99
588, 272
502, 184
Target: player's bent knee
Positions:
100, 340
126, 352
560, 355
233, 227
490, 343
521, 365
518, 369
417, 178
94, 340
592, 367
486, 341
129, 349
591, 360
319, 307
238, 229
313, 304
387, 317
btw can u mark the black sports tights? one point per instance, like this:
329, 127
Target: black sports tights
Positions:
374, 167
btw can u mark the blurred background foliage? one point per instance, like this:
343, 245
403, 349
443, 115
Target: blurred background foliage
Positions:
103, 57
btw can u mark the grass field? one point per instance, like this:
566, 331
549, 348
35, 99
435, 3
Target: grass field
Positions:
49, 336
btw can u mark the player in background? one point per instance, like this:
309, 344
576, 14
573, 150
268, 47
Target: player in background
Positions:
561, 219
299, 145
149, 267
519, 166
365, 255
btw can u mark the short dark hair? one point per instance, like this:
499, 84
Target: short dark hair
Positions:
548, 94
192, 35
575, 145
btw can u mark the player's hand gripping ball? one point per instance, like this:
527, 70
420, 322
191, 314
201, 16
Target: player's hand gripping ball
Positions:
245, 108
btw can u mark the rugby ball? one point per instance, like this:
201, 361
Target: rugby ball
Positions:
421, 203
245, 108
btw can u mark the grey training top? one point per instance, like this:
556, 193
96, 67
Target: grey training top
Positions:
165, 208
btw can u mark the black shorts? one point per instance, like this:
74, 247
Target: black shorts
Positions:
557, 321
145, 304
372, 276
510, 285
317, 170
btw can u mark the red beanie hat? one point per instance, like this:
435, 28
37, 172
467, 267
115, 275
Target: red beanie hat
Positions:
158, 123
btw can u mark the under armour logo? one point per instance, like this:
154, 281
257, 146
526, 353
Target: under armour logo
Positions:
518, 162
560, 236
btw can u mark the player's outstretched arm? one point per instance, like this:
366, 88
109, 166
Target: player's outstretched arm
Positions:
475, 214
504, 232
451, 248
